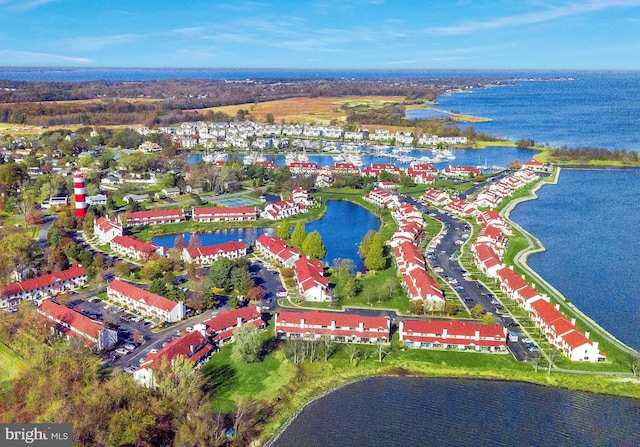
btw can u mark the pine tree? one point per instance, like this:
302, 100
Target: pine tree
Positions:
313, 246
299, 234
375, 259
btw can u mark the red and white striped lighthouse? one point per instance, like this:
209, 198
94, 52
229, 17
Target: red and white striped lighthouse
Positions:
80, 192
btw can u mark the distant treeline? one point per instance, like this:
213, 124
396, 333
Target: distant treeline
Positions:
588, 154
130, 102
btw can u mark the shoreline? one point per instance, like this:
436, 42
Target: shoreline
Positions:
536, 246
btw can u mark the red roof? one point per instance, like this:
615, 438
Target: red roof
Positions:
135, 244
143, 296
223, 211
229, 319
72, 319
185, 346
324, 319
43, 281
454, 328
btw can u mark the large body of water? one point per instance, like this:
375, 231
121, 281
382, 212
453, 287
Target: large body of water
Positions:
590, 225
453, 412
342, 228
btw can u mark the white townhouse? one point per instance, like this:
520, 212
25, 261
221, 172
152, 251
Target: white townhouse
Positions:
70, 323
45, 286
277, 250
224, 214
206, 255
146, 303
105, 229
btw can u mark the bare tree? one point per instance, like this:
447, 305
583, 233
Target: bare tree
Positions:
382, 352
352, 351
327, 344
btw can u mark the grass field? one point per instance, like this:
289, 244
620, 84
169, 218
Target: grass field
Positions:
305, 110
9, 362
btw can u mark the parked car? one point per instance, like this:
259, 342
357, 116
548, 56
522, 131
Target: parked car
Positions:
526, 340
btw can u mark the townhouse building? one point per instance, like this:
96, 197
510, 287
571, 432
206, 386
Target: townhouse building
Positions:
69, 323
146, 303
340, 327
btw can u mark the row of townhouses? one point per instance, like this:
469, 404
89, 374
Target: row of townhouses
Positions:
308, 274
197, 346
69, 323
42, 287
352, 328
238, 134
562, 333
144, 302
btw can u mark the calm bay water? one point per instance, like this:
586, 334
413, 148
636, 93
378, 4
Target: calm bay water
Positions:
492, 156
595, 109
590, 224
450, 412
342, 228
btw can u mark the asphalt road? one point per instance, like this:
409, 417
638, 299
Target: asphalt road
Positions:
474, 292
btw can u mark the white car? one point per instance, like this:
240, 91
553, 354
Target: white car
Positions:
189, 329
526, 340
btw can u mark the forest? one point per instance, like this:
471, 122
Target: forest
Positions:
155, 103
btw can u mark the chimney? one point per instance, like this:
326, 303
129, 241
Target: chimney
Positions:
533, 286
333, 325
239, 321
361, 326
557, 306
573, 321
477, 337
301, 322
191, 349
445, 333
586, 334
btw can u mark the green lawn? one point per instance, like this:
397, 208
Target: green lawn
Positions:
232, 381
9, 362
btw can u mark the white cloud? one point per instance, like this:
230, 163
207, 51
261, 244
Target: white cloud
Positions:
551, 13
13, 57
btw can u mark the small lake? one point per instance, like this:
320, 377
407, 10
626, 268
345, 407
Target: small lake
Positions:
342, 228
456, 412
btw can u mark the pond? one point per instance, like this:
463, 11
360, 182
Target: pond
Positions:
342, 228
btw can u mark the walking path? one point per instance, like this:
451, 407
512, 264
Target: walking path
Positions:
535, 246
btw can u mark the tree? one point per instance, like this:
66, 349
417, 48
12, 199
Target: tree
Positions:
375, 260
352, 351
299, 234
352, 286
158, 286
450, 308
382, 352
283, 231
366, 243
241, 280
477, 311
389, 289
194, 241
246, 344
255, 294
487, 320
525, 143
123, 269
220, 273
269, 118
313, 246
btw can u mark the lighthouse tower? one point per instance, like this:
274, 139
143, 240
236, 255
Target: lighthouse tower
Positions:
80, 193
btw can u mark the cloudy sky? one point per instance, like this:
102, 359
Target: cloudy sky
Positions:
386, 34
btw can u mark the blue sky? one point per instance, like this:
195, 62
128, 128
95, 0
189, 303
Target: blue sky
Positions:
386, 34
